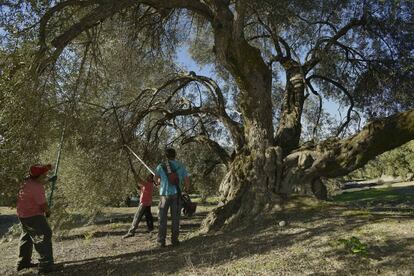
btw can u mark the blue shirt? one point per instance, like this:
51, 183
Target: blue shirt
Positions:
166, 188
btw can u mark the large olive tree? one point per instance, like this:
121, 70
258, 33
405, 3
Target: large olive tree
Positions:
278, 54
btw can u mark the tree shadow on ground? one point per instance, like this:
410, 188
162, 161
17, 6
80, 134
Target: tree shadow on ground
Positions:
188, 227
259, 238
392, 254
7, 221
122, 218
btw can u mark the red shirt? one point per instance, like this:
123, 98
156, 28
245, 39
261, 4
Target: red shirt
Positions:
30, 199
146, 193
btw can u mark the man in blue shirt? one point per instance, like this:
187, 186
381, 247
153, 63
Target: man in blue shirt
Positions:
170, 196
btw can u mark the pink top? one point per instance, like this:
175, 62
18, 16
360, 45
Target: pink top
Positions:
146, 193
30, 199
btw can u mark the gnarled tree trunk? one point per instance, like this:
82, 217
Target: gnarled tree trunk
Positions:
255, 180
248, 186
246, 190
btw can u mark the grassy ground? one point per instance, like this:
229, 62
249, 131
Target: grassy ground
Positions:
391, 199
328, 238
386, 194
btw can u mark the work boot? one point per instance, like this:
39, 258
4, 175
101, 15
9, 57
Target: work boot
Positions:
128, 235
160, 244
21, 266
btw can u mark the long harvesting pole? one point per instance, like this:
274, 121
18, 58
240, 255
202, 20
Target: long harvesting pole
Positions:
56, 167
142, 162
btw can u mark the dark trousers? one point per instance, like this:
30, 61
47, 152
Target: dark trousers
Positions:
173, 203
142, 210
35, 231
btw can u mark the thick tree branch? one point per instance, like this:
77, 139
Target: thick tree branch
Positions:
236, 130
288, 133
96, 16
251, 74
240, 16
196, 6
57, 8
157, 103
104, 10
338, 158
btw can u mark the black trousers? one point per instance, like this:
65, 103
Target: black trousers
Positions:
143, 210
35, 231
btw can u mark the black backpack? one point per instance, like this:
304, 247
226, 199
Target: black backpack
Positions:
188, 206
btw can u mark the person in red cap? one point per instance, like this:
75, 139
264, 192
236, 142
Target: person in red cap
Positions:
32, 210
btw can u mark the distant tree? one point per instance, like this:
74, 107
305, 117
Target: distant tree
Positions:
398, 162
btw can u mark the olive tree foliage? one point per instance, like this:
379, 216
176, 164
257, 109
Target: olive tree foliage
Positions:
80, 96
23, 112
76, 98
273, 60
205, 167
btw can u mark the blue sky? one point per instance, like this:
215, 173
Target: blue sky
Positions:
187, 63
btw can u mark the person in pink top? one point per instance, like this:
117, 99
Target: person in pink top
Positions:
144, 208
32, 210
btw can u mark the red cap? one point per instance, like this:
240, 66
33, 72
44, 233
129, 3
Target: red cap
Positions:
38, 170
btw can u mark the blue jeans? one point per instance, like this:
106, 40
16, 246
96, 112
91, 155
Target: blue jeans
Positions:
171, 203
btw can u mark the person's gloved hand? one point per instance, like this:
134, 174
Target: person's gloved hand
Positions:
47, 213
53, 178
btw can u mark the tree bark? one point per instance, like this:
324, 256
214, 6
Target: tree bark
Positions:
247, 187
289, 130
246, 191
253, 78
304, 168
